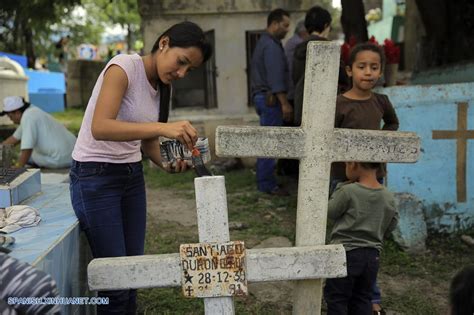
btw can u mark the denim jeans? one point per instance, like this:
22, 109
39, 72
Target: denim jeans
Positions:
110, 202
353, 294
269, 116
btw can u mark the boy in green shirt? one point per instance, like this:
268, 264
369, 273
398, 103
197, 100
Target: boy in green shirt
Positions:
364, 213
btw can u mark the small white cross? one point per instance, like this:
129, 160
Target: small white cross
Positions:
270, 264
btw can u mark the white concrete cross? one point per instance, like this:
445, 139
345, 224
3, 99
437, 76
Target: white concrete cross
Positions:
316, 144
270, 264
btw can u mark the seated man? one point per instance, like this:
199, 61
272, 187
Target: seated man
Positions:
44, 141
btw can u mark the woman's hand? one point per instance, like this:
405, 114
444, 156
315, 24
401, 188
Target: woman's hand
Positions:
182, 131
179, 166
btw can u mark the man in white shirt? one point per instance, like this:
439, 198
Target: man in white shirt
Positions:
44, 141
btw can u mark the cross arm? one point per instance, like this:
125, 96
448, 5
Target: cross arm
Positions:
273, 264
296, 263
128, 272
375, 146
449, 134
249, 141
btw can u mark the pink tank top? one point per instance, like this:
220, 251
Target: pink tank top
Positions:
141, 103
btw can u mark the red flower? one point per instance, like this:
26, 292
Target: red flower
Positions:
392, 52
373, 40
345, 52
346, 49
352, 41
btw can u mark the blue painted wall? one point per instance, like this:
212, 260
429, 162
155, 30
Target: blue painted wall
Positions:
47, 89
422, 109
45, 80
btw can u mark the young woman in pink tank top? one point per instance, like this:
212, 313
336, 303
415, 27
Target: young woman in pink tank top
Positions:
107, 184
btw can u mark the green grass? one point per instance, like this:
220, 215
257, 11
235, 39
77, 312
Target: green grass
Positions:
158, 178
445, 255
411, 301
71, 118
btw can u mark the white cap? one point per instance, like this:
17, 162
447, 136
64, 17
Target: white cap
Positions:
17, 217
11, 103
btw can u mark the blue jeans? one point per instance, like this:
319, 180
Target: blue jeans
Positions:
110, 202
353, 294
269, 116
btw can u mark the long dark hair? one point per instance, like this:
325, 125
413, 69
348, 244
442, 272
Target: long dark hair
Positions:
184, 35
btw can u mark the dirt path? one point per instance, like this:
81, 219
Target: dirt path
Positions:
165, 205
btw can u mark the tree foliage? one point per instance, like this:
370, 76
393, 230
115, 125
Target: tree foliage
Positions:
31, 27
22, 20
122, 12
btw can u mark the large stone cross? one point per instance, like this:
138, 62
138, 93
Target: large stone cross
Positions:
316, 144
270, 264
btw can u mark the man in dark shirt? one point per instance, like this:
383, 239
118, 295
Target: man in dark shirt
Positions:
318, 24
301, 34
269, 83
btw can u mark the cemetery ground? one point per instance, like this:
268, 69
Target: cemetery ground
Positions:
411, 284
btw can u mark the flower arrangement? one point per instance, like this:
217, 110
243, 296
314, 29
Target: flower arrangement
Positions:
372, 40
392, 52
346, 49
373, 15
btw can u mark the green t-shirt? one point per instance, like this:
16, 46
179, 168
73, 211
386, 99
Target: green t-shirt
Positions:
362, 216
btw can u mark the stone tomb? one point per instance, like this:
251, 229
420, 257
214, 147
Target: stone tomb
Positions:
16, 184
316, 144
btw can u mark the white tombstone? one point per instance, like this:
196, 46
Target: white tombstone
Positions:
316, 144
13, 82
270, 264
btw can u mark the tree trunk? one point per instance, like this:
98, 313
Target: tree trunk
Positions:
16, 43
413, 32
449, 31
353, 20
29, 45
129, 37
